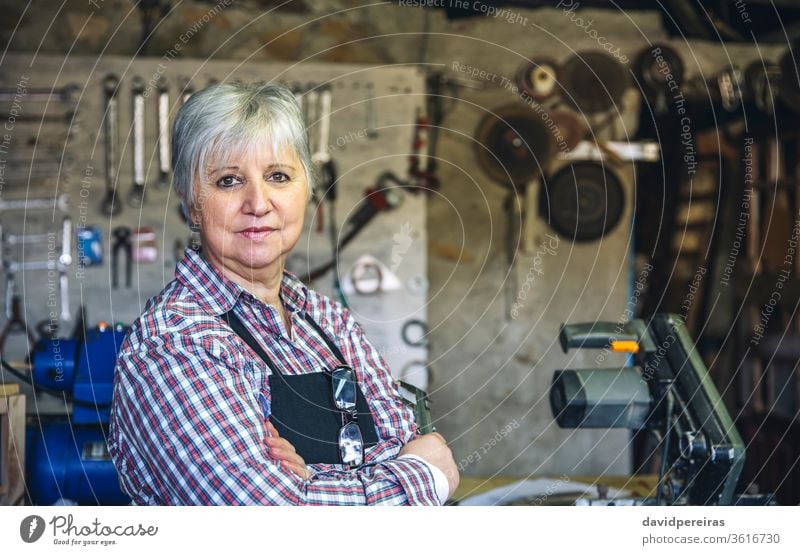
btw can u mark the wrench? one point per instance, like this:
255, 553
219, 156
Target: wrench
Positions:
58, 203
322, 156
325, 97
61, 94
64, 119
310, 114
110, 87
163, 133
136, 196
61, 264
65, 260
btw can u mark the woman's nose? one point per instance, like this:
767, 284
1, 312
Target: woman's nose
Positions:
257, 199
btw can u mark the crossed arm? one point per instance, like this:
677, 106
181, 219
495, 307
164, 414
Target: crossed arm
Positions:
185, 411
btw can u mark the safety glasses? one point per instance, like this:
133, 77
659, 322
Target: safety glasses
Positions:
351, 443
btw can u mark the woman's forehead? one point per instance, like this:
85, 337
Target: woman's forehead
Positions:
259, 152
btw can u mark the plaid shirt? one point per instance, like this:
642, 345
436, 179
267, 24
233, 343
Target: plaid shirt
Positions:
186, 425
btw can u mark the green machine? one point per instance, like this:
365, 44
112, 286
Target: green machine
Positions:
667, 390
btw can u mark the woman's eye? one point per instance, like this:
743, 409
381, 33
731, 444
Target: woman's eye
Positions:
228, 181
280, 177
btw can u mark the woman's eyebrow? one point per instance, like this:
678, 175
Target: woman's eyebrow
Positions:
270, 166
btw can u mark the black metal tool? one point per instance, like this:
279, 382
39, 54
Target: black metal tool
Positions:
111, 124
122, 241
377, 199
16, 324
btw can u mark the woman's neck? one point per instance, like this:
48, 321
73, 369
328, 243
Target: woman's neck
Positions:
264, 284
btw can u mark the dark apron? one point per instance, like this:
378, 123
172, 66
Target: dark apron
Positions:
302, 408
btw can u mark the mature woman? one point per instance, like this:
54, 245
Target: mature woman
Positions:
238, 384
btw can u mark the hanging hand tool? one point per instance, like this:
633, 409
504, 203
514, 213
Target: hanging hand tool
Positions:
421, 334
322, 156
111, 124
64, 94
67, 118
311, 107
377, 199
61, 264
64, 262
136, 195
163, 134
366, 277
16, 324
422, 167
122, 242
60, 203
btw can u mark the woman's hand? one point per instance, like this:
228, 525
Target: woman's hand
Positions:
284, 452
433, 448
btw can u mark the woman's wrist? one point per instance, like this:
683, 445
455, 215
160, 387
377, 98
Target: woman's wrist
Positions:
440, 481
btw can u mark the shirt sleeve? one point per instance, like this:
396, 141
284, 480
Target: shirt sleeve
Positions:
182, 404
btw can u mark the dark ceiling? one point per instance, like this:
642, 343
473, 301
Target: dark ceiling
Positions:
764, 21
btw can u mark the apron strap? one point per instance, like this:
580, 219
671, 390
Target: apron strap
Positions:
239, 328
331, 345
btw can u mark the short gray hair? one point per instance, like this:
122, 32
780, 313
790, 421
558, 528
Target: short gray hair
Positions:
231, 117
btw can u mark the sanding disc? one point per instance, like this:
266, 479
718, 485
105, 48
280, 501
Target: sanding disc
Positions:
514, 145
583, 201
594, 81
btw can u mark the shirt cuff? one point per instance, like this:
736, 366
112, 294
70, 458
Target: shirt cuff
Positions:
439, 479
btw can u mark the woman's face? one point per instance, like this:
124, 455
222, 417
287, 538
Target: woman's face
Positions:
250, 208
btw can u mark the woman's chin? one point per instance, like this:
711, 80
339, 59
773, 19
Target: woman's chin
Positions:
257, 262
254, 259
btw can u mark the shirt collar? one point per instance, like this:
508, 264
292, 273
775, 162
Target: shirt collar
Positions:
219, 294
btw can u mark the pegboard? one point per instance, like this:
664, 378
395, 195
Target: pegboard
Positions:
371, 130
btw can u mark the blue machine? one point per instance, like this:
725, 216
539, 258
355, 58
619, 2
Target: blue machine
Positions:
68, 458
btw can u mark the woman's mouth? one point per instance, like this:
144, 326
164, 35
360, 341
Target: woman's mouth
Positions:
256, 233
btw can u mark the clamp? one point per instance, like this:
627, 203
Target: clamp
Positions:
122, 241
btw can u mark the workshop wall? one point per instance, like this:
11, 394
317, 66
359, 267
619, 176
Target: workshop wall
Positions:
489, 372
